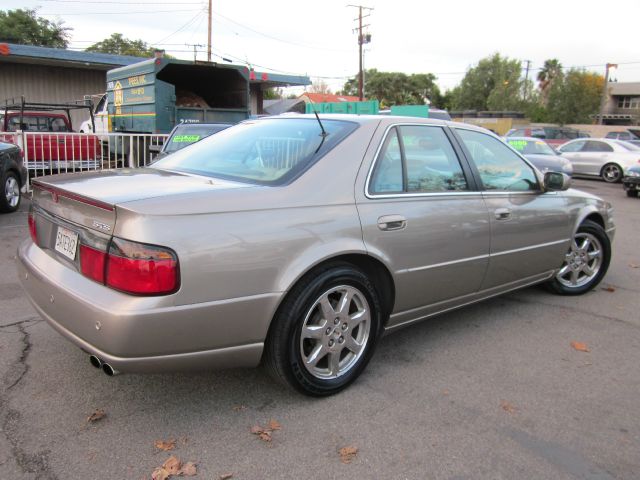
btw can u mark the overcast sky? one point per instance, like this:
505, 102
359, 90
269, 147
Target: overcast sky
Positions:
317, 38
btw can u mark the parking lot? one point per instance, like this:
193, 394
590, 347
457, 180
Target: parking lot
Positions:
492, 391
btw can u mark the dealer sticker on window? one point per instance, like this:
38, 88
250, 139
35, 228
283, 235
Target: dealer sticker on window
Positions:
66, 242
185, 138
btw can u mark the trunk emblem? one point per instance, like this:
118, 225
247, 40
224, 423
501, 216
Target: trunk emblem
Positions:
102, 226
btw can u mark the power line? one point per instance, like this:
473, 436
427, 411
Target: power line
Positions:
180, 28
145, 12
122, 3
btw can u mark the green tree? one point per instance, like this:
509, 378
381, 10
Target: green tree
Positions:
494, 84
575, 97
24, 27
119, 45
551, 70
396, 88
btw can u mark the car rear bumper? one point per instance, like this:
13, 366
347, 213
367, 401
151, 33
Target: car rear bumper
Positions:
134, 335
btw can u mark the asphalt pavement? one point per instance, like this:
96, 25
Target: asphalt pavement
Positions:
492, 391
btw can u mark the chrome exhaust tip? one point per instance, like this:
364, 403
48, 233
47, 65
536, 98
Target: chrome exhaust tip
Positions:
109, 370
95, 361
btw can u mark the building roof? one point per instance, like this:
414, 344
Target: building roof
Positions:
10, 52
328, 98
624, 88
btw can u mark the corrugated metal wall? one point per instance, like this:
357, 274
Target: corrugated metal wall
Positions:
50, 84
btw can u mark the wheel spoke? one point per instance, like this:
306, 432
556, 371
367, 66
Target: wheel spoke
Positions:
314, 331
358, 317
593, 254
345, 302
574, 277
334, 362
588, 270
353, 345
585, 244
564, 270
327, 310
317, 353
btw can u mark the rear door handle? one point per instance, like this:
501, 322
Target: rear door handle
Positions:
503, 214
392, 222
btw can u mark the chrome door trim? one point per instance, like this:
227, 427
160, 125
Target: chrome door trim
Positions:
530, 247
443, 264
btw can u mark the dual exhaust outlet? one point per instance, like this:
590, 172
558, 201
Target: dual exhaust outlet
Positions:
105, 367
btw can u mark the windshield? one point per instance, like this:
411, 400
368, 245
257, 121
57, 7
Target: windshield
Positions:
187, 134
268, 151
528, 147
627, 146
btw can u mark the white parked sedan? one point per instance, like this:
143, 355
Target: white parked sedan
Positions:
600, 157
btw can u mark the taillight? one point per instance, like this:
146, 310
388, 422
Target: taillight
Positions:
32, 228
132, 267
92, 263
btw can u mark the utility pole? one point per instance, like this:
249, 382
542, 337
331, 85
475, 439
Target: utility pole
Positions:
209, 34
362, 39
526, 79
605, 90
195, 52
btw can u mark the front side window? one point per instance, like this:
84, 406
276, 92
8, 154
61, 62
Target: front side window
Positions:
417, 159
58, 125
499, 167
266, 152
572, 147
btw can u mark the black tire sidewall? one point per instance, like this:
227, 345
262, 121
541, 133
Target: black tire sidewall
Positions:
292, 317
596, 230
4, 204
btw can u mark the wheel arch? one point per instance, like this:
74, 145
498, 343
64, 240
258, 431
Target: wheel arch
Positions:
376, 271
592, 214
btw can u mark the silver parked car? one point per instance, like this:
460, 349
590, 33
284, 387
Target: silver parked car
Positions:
297, 241
600, 157
538, 152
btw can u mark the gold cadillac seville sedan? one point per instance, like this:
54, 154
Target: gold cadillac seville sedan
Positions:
297, 241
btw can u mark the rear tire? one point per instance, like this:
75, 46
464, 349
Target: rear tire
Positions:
585, 263
325, 331
632, 193
11, 195
611, 173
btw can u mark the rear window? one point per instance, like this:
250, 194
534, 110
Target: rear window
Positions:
528, 147
187, 134
268, 152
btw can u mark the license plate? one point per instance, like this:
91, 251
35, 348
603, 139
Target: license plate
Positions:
66, 242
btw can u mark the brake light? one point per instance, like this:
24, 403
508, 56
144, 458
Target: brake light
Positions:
92, 263
132, 267
32, 228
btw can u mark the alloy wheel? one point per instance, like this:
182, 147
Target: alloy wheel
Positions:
582, 262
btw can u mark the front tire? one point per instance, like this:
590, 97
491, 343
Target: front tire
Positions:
585, 263
632, 193
325, 331
611, 173
11, 196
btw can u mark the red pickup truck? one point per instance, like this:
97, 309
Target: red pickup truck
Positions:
50, 142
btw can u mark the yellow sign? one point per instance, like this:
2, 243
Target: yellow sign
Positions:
137, 80
118, 96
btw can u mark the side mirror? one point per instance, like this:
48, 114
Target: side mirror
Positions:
556, 181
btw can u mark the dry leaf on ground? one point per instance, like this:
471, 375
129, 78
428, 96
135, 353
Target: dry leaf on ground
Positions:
347, 454
608, 289
225, 476
173, 466
165, 445
507, 407
633, 265
274, 425
581, 347
264, 433
99, 414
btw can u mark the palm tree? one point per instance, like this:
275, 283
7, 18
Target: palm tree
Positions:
551, 70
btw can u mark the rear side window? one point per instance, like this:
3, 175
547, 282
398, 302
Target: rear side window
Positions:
572, 147
592, 146
417, 159
499, 167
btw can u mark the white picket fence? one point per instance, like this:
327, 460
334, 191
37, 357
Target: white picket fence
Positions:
48, 153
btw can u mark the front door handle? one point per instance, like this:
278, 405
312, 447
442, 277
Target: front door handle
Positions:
503, 214
392, 222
